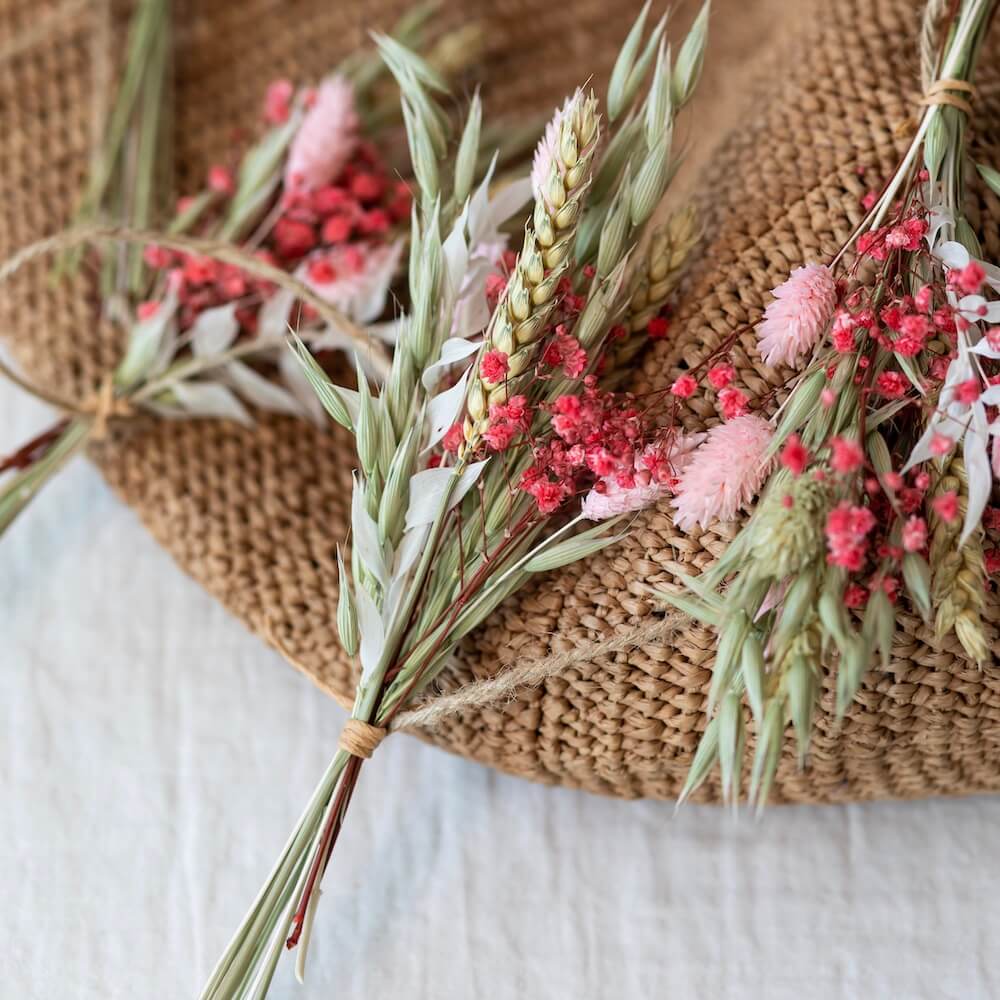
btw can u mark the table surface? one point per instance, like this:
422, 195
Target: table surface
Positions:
154, 756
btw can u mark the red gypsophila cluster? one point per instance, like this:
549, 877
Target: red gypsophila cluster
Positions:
327, 230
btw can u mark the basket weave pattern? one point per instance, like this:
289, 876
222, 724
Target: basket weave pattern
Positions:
254, 515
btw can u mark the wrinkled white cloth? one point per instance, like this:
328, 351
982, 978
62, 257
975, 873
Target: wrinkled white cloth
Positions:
154, 756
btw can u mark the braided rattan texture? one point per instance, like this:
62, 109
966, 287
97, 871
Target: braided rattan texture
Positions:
254, 515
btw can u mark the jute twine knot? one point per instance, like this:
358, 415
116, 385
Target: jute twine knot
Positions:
104, 406
940, 92
943, 92
360, 739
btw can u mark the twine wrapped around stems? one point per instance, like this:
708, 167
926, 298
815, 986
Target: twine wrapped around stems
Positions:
943, 92
361, 739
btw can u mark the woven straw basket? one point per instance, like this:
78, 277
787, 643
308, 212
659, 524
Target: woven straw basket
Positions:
255, 514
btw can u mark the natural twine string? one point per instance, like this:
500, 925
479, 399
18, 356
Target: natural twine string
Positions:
939, 92
104, 406
361, 739
101, 235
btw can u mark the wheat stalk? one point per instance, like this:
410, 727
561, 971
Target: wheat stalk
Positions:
531, 294
657, 279
959, 572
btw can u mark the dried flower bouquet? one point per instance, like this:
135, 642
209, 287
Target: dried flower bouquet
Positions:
494, 436
307, 227
878, 465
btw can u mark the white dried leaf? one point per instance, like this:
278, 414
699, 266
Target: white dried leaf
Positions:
456, 259
213, 331
952, 254
976, 309
260, 391
444, 408
504, 204
358, 292
150, 340
984, 349
977, 468
938, 217
476, 211
372, 630
409, 550
300, 387
389, 332
210, 399
429, 488
367, 547
471, 312
273, 316
453, 350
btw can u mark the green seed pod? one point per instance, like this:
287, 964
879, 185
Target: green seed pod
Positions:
752, 669
800, 685
368, 428
347, 617
396, 494
650, 182
704, 760
727, 658
468, 151
732, 739
769, 743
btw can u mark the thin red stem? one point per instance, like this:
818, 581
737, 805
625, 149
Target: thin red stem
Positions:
33, 450
329, 838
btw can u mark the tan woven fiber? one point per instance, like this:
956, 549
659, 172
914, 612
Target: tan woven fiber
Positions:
254, 515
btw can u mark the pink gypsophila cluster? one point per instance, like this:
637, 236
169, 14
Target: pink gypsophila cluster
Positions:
847, 528
725, 473
794, 322
564, 351
507, 421
656, 472
326, 139
595, 434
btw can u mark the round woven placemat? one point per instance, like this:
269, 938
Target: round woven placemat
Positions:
254, 515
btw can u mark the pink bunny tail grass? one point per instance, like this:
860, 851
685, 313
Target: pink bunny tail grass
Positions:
794, 322
725, 473
326, 139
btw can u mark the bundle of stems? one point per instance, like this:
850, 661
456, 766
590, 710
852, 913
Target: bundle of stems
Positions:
471, 472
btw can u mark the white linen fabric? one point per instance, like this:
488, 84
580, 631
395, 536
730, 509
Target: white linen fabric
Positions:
154, 756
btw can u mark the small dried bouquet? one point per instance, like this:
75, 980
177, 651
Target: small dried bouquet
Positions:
494, 438
878, 467
307, 227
